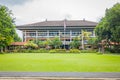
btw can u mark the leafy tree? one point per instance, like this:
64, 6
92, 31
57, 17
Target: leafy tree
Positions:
93, 42
56, 42
85, 36
7, 27
75, 43
108, 28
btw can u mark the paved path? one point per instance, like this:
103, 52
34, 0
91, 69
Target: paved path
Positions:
61, 74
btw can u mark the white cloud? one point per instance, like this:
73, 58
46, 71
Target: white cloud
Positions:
39, 10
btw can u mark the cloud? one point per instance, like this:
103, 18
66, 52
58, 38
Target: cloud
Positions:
30, 11
39, 10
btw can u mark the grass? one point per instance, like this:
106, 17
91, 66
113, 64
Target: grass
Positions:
35, 62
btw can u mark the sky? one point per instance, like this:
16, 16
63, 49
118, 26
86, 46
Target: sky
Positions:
31, 11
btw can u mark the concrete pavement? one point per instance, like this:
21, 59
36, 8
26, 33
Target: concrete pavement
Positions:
59, 76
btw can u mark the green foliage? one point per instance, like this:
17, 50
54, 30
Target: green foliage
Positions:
86, 35
56, 43
40, 44
57, 51
74, 51
31, 45
75, 43
93, 42
17, 38
88, 51
7, 27
109, 27
33, 51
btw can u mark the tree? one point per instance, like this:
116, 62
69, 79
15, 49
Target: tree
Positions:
75, 43
7, 28
108, 28
85, 36
93, 42
56, 42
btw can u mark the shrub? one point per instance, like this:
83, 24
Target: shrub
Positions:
33, 51
31, 45
52, 51
57, 51
74, 51
88, 51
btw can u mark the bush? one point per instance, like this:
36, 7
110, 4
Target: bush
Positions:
57, 51
74, 51
88, 51
33, 51
52, 51
31, 45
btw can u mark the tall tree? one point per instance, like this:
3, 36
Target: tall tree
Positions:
108, 28
7, 27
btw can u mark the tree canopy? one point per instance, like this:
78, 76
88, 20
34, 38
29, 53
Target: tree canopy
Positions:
109, 27
7, 27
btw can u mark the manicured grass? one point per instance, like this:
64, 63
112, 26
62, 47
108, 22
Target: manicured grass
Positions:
46, 62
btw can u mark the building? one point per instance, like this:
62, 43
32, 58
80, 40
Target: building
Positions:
50, 29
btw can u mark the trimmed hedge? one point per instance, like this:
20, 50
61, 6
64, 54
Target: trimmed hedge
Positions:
57, 51
88, 51
64, 51
74, 51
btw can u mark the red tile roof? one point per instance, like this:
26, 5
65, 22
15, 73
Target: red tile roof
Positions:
18, 43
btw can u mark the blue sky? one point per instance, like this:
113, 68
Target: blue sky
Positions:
13, 2
30, 11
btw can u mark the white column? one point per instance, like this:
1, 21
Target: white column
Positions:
25, 35
36, 35
59, 34
82, 40
93, 33
48, 33
70, 35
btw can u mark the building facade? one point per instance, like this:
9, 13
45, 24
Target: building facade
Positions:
66, 30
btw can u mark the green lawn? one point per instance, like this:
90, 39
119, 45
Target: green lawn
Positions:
60, 62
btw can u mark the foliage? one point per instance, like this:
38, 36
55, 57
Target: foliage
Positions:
33, 51
7, 27
93, 42
17, 38
85, 36
57, 51
88, 51
75, 43
109, 27
40, 44
56, 43
31, 45
74, 51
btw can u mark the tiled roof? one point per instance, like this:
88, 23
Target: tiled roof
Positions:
18, 43
61, 23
